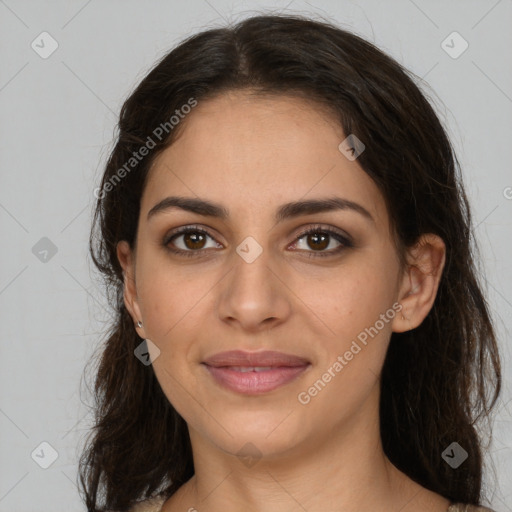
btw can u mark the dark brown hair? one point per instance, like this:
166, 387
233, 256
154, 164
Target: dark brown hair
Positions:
438, 380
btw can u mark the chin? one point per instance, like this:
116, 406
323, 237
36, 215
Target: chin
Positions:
267, 435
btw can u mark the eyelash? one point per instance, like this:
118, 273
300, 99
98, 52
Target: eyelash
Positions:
339, 237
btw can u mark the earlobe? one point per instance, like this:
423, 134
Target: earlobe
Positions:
420, 281
126, 260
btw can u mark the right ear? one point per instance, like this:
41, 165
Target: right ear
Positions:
127, 262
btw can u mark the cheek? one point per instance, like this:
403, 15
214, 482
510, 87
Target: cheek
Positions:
352, 358
171, 307
169, 296
353, 306
353, 299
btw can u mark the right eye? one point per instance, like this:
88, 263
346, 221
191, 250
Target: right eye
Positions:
192, 241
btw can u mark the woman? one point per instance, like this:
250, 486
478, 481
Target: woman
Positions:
299, 324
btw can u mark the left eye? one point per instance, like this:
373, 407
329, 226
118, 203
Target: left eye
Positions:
318, 239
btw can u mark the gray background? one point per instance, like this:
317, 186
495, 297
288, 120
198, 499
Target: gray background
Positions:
58, 116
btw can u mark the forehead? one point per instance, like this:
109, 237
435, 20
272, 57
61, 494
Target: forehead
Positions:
251, 153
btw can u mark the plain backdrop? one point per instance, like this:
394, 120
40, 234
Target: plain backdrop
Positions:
58, 113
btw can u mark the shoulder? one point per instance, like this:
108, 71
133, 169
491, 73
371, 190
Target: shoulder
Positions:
151, 505
155, 505
460, 507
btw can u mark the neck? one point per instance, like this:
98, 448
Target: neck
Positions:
343, 471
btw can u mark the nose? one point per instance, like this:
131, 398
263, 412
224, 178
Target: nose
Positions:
254, 296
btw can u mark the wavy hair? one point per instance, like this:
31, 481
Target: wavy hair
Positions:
438, 380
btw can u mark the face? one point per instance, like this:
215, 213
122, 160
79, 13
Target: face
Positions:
254, 281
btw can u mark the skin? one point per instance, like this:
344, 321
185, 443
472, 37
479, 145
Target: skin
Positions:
252, 155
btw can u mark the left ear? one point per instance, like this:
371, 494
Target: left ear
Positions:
420, 281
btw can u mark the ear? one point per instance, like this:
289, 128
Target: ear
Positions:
420, 281
127, 262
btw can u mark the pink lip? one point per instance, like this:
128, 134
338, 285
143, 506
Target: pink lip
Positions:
283, 369
265, 358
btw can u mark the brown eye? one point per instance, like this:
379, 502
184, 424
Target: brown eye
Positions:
189, 241
194, 240
318, 241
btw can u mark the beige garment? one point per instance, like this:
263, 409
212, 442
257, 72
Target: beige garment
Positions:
152, 505
460, 507
155, 505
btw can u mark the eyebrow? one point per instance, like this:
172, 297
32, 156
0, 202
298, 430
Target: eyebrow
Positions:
286, 211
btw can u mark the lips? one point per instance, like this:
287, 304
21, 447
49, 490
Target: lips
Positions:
254, 373
268, 358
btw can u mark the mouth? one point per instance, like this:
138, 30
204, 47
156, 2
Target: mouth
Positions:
254, 373
264, 359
